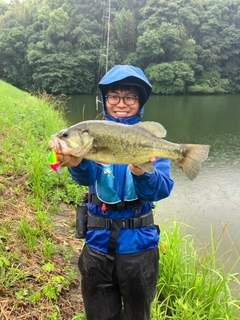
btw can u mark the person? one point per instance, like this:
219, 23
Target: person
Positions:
119, 261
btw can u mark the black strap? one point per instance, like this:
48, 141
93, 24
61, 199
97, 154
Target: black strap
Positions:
112, 248
96, 222
92, 198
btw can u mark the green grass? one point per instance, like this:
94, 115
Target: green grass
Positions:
27, 124
30, 196
36, 276
193, 284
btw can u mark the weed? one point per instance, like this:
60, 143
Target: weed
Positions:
192, 286
79, 316
29, 233
48, 248
71, 273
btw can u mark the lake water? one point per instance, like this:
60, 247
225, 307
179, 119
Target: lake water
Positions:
212, 200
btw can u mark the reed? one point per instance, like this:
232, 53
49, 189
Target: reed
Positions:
193, 283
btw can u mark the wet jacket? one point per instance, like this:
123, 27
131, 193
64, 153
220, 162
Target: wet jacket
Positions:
115, 183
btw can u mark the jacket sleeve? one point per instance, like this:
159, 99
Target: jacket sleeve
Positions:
85, 173
157, 185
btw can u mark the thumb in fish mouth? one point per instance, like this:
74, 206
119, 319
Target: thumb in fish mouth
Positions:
58, 145
51, 144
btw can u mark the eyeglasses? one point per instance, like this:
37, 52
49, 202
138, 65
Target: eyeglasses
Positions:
114, 99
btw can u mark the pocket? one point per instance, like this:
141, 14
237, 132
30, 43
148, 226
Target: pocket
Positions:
81, 221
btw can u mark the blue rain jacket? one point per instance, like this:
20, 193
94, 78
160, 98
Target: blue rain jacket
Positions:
115, 183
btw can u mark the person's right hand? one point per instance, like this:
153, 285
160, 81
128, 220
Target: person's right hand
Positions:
65, 160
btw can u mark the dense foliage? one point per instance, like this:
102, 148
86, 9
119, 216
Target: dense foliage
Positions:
184, 46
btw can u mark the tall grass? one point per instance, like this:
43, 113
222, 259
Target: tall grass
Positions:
34, 264
193, 284
27, 124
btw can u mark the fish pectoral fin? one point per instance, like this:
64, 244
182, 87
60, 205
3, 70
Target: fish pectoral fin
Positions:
154, 127
146, 167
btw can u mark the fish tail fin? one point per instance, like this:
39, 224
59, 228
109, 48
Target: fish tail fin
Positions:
195, 154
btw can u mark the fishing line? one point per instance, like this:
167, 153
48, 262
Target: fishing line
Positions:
105, 171
104, 39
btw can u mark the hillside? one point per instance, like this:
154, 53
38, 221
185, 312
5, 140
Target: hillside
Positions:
38, 249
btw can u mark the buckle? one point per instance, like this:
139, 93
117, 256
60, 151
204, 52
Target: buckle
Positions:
108, 223
131, 223
127, 223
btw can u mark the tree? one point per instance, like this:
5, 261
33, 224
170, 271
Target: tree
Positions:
170, 78
35, 35
3, 7
125, 29
62, 73
13, 43
210, 82
167, 43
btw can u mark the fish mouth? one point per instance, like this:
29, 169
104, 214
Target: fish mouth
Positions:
62, 146
58, 144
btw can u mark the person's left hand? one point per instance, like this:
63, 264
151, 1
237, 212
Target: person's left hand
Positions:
138, 171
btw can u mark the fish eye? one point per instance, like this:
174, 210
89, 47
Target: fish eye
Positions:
65, 134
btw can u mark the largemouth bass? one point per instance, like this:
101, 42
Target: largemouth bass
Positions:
110, 142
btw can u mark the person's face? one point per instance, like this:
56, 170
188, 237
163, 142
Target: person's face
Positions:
121, 108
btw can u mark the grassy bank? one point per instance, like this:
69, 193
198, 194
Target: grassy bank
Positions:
36, 277
36, 273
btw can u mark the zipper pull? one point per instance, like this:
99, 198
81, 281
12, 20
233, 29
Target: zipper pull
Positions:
104, 207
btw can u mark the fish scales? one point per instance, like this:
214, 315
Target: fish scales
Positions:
124, 144
110, 142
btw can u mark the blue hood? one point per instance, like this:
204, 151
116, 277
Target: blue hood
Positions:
127, 75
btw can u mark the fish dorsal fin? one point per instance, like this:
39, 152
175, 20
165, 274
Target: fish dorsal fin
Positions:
154, 127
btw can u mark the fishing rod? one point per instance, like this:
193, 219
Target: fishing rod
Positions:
107, 50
